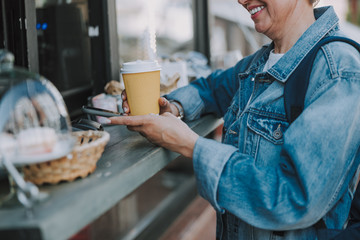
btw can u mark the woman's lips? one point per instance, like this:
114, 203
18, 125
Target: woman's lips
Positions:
255, 11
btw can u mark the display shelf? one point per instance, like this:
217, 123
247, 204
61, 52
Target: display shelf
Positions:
127, 162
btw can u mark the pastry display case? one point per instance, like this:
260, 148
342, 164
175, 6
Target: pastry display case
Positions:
35, 125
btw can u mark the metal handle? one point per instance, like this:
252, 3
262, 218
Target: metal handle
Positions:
27, 192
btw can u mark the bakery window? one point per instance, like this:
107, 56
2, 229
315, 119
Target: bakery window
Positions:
150, 29
66, 41
233, 35
79, 45
64, 44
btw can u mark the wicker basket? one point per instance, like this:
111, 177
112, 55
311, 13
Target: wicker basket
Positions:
80, 163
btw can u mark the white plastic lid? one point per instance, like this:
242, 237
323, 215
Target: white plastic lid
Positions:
140, 66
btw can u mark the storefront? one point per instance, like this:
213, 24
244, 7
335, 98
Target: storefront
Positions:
138, 189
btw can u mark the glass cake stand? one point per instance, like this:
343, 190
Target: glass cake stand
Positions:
35, 127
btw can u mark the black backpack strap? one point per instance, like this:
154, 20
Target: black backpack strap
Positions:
298, 81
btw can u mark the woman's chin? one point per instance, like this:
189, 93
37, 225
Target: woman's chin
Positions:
259, 28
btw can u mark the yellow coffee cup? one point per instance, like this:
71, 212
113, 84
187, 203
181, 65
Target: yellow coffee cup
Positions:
142, 85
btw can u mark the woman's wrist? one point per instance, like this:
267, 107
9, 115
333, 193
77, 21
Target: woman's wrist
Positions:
179, 109
189, 149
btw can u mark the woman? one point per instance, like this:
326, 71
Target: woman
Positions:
268, 179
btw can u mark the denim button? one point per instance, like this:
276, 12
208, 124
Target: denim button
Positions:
277, 134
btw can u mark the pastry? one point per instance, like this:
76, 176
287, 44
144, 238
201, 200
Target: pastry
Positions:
7, 144
36, 140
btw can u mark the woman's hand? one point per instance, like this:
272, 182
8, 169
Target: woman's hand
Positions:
165, 130
165, 105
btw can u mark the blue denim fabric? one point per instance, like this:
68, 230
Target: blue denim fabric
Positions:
268, 176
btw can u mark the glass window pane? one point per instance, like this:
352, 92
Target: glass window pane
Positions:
151, 29
63, 42
233, 35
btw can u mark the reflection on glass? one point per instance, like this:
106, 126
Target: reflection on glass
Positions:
151, 29
63, 41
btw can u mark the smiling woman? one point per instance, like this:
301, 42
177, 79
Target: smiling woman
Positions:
268, 178
279, 20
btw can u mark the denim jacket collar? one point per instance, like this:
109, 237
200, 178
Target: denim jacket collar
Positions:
326, 22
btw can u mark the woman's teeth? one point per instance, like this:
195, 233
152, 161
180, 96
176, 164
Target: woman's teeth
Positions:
255, 10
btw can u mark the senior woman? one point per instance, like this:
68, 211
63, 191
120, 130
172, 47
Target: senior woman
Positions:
265, 185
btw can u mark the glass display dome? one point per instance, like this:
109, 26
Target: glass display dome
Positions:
34, 121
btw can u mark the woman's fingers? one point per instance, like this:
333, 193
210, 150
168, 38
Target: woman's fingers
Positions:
125, 104
166, 106
128, 120
163, 102
164, 130
133, 120
135, 129
123, 95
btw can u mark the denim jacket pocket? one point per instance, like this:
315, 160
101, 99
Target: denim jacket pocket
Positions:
269, 126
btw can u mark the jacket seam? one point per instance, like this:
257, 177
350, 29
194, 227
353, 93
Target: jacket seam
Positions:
330, 61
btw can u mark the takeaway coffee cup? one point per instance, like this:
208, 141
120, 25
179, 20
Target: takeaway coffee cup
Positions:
142, 85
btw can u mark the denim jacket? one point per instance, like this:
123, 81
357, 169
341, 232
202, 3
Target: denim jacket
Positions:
268, 179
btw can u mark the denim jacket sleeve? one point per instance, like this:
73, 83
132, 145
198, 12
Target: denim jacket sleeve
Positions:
207, 95
320, 155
